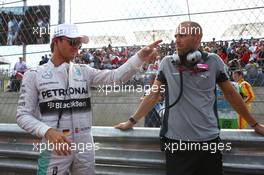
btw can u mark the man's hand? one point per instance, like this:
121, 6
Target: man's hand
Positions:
61, 143
149, 53
124, 126
259, 128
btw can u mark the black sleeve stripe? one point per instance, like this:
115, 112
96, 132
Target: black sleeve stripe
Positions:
161, 78
221, 78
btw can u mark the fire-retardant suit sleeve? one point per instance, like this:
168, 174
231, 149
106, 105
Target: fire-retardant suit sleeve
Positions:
27, 109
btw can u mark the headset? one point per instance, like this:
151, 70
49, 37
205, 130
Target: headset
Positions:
192, 57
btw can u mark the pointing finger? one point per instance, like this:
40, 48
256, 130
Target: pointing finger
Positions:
152, 45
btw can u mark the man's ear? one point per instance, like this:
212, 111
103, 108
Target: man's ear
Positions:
197, 41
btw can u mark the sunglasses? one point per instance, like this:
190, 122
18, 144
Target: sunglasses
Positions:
74, 42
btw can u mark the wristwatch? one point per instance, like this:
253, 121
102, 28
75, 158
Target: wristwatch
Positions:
132, 120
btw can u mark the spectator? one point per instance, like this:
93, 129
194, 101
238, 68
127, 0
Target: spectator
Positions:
18, 34
20, 66
12, 29
19, 69
207, 49
222, 53
122, 60
245, 56
234, 65
254, 49
107, 62
247, 94
232, 54
87, 57
114, 60
97, 59
252, 70
44, 59
261, 57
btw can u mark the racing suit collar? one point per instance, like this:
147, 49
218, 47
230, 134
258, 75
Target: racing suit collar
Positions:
58, 68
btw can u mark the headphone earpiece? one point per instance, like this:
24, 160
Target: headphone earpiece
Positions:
176, 59
192, 57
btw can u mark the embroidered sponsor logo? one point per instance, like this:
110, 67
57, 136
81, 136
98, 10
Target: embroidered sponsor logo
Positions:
63, 92
47, 75
77, 72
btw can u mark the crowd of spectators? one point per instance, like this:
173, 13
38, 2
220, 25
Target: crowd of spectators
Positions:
242, 51
246, 55
106, 57
236, 54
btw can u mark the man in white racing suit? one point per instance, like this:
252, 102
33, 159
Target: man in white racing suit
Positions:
55, 105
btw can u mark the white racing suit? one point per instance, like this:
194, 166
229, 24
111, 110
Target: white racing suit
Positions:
48, 92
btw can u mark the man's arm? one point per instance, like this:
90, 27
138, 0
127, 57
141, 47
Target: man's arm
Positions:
238, 104
27, 105
127, 70
27, 114
144, 107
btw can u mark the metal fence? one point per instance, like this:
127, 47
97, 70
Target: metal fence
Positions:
133, 152
128, 23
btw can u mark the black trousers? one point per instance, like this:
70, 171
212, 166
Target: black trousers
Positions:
193, 162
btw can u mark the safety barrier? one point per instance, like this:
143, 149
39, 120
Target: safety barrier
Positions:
133, 152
